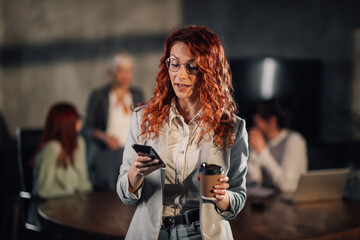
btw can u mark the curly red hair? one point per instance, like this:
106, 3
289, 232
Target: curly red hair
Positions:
215, 91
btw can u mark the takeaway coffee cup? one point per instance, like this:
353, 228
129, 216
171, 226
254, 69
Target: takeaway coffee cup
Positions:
209, 177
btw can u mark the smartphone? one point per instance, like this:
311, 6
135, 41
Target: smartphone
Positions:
145, 150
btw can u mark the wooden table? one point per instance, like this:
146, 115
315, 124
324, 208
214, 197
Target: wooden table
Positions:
102, 215
280, 220
98, 215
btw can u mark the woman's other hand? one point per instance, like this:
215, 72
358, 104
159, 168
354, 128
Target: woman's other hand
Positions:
221, 196
112, 142
256, 140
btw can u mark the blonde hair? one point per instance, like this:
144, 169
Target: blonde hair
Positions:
119, 60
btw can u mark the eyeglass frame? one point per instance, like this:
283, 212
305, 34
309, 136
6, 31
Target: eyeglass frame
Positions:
186, 65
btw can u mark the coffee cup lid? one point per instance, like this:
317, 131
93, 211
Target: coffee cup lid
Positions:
210, 169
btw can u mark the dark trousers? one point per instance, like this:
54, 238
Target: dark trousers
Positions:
104, 165
183, 232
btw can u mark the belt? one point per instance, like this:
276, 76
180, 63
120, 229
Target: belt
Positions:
184, 219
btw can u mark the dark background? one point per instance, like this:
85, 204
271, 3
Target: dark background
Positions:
314, 38
320, 30
319, 36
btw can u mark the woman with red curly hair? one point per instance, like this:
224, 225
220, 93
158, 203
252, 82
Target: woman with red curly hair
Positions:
189, 120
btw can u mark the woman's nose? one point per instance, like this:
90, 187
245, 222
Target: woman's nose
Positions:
182, 72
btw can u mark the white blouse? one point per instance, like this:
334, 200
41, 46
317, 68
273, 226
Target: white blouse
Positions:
118, 119
182, 163
286, 167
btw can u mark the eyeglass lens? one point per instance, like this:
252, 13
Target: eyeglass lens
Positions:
174, 65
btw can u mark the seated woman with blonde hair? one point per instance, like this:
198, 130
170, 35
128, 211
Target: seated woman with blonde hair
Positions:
60, 165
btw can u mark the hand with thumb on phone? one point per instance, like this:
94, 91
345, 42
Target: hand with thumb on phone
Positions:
146, 162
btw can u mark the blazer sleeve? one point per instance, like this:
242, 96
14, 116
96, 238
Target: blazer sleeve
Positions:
239, 154
122, 186
89, 123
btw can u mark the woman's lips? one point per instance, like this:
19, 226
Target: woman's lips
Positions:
182, 86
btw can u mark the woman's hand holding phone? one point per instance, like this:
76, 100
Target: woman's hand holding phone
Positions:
143, 165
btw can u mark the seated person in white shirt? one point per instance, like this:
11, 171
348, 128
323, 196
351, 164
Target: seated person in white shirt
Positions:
278, 156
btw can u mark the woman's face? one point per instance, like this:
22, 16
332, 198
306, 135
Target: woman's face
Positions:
261, 123
182, 82
78, 125
123, 75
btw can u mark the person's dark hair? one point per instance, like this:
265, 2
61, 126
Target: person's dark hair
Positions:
60, 125
214, 84
278, 107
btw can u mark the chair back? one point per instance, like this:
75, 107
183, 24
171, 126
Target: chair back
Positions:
25, 218
27, 142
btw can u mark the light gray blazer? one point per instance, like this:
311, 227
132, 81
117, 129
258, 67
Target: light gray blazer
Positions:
146, 222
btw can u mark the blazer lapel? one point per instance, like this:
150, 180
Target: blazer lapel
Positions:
211, 155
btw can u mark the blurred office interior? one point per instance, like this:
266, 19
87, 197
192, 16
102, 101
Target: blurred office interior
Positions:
307, 50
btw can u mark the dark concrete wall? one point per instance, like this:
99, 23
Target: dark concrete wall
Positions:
322, 29
57, 50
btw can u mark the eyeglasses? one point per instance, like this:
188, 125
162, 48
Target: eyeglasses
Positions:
174, 65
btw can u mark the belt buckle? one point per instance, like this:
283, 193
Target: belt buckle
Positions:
168, 222
190, 215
